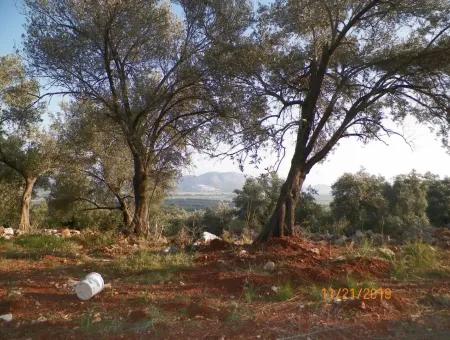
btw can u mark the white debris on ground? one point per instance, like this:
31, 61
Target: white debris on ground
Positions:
206, 238
6, 317
9, 233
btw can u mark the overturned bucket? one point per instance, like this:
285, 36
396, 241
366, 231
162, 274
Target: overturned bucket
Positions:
92, 284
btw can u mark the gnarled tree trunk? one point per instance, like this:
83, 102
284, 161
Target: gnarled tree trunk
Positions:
126, 215
282, 220
25, 225
141, 185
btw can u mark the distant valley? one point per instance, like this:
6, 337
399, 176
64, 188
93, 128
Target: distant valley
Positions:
207, 190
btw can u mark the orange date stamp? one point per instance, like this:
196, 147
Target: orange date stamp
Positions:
331, 294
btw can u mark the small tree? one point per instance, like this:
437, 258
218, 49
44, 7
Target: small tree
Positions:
23, 148
361, 200
310, 214
408, 202
31, 156
10, 189
438, 197
256, 200
96, 167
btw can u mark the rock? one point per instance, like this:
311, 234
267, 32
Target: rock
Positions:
359, 234
65, 233
243, 252
386, 252
341, 240
6, 317
315, 251
171, 250
207, 237
42, 319
8, 231
269, 266
275, 289
377, 239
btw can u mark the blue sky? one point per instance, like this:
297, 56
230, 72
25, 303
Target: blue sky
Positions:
377, 158
11, 25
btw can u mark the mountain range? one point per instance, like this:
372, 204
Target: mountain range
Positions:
224, 182
211, 182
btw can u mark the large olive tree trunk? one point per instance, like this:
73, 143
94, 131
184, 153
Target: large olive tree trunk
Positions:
25, 225
141, 186
282, 221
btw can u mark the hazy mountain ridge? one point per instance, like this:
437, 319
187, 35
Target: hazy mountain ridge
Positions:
224, 182
211, 182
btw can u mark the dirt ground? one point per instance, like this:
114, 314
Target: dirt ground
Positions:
225, 294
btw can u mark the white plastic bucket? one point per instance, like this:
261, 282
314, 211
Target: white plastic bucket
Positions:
92, 284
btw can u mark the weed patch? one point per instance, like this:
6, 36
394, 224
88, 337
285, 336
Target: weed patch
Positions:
148, 267
37, 246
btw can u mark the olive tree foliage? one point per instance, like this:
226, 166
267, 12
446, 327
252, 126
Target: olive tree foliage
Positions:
142, 65
310, 214
438, 196
25, 149
256, 200
360, 200
329, 70
96, 167
408, 203
10, 189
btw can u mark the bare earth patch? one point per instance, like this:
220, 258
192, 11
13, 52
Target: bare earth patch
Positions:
219, 292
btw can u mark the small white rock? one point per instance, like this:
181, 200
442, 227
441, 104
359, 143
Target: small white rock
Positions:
6, 317
315, 251
270, 266
8, 231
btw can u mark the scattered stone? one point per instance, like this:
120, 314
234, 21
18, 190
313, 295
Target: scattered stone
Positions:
42, 319
315, 251
386, 252
359, 234
341, 240
6, 317
208, 237
269, 266
8, 231
243, 252
65, 233
275, 289
97, 318
171, 250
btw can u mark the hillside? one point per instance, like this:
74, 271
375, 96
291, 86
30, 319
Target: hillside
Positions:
224, 182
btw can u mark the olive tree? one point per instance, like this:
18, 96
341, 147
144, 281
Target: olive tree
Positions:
141, 65
25, 149
324, 71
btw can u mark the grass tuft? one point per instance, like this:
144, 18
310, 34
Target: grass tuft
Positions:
37, 246
148, 267
418, 259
